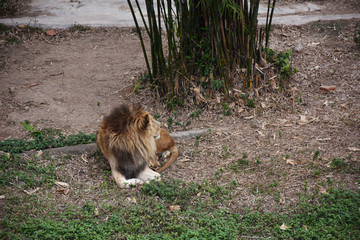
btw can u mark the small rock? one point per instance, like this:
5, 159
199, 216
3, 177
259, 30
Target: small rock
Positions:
299, 48
50, 32
256, 123
327, 88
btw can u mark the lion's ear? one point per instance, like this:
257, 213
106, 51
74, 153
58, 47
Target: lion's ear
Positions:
146, 122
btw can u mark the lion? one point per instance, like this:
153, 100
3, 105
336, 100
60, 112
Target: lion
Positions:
127, 138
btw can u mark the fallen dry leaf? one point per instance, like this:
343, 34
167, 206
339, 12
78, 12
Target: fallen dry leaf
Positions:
63, 188
31, 192
62, 184
199, 98
261, 133
282, 121
96, 212
39, 153
284, 227
84, 157
240, 110
303, 119
2, 196
305, 228
50, 32
354, 149
184, 160
64, 191
131, 200
248, 118
327, 88
322, 190
174, 208
323, 139
293, 162
344, 104
32, 85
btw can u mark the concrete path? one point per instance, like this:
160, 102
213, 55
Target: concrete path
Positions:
99, 13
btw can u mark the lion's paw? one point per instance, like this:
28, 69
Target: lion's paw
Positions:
133, 182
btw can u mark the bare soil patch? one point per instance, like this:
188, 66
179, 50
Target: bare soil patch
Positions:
70, 80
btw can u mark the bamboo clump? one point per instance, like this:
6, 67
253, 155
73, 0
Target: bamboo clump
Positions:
206, 40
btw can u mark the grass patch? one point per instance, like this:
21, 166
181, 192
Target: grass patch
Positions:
172, 191
4, 28
13, 40
43, 139
336, 216
29, 173
105, 213
241, 163
79, 28
345, 165
33, 30
282, 60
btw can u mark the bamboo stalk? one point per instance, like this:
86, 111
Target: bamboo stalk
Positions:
140, 36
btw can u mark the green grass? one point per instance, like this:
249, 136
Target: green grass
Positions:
282, 60
171, 191
4, 28
241, 163
335, 216
30, 173
43, 139
207, 209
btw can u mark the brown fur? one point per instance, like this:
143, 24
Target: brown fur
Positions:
164, 144
127, 139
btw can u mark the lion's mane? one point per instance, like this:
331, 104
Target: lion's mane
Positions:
126, 137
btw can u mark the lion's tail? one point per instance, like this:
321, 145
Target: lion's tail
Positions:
174, 154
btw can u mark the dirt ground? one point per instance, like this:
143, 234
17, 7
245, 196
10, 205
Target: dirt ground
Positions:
69, 81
